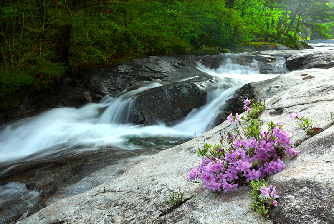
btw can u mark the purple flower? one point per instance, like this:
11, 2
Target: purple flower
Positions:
237, 117
291, 151
275, 203
230, 119
193, 174
265, 191
247, 108
299, 115
252, 158
253, 174
292, 116
273, 194
215, 186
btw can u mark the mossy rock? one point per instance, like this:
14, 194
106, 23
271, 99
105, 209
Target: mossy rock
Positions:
304, 45
266, 46
225, 51
204, 50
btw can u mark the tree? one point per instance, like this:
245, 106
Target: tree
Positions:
69, 9
305, 15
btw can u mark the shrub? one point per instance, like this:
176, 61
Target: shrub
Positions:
245, 155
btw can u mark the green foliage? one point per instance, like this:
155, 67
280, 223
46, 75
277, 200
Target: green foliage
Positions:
176, 198
210, 150
260, 203
306, 124
253, 123
100, 33
256, 109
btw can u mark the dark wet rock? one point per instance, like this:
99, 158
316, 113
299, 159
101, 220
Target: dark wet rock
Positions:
215, 61
302, 59
40, 102
91, 85
17, 200
236, 103
310, 60
168, 104
272, 64
184, 87
267, 64
112, 81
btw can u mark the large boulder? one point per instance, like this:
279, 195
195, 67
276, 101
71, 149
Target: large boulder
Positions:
305, 60
168, 104
183, 87
38, 102
141, 194
236, 103
306, 186
298, 60
113, 81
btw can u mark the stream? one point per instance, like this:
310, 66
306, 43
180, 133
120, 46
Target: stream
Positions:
106, 124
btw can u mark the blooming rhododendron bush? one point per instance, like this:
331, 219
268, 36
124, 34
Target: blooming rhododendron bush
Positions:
245, 154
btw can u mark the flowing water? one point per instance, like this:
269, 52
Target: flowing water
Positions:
106, 124
102, 133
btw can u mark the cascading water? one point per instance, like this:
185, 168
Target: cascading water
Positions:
69, 130
119, 109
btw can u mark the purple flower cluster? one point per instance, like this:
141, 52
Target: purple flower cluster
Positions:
235, 119
270, 194
250, 159
247, 102
294, 116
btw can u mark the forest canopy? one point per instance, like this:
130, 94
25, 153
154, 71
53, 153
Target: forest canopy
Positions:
41, 40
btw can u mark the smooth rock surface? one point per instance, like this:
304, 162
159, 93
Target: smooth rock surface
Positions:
136, 196
305, 186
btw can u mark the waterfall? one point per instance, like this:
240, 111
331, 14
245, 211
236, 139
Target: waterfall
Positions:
119, 109
231, 77
107, 124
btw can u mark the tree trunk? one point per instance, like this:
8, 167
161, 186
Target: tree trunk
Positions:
63, 43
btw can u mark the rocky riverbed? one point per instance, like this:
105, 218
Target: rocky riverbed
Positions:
133, 189
305, 186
